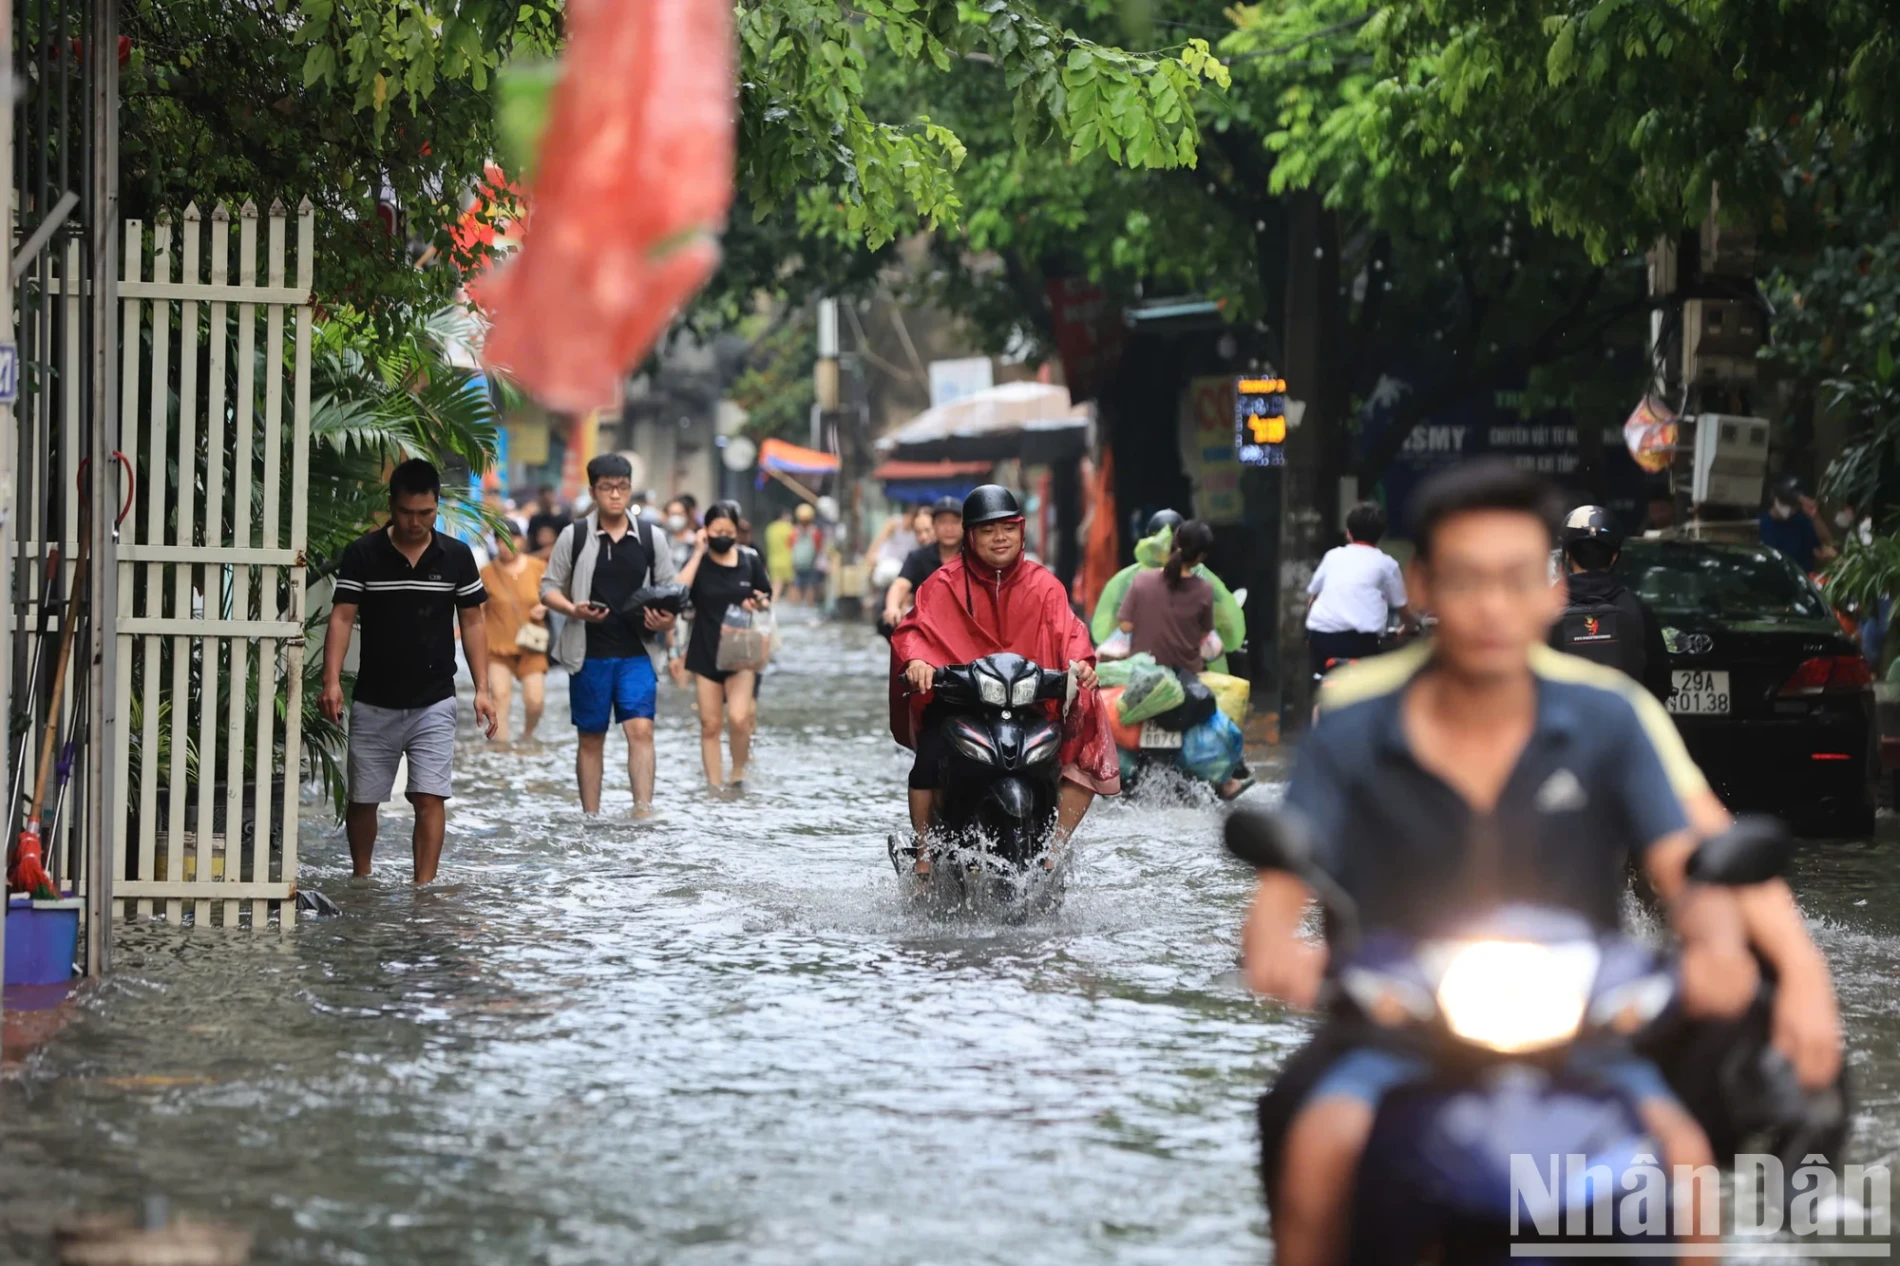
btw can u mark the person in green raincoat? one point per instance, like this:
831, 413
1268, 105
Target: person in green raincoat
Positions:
1152, 552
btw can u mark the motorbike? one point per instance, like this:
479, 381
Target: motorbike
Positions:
1156, 750
1504, 1011
1001, 772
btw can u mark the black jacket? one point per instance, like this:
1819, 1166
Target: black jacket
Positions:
1601, 587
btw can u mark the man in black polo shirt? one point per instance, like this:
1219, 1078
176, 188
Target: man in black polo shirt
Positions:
1483, 768
407, 583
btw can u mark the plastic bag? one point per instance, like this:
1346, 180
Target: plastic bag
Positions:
1197, 704
631, 186
1212, 749
1118, 646
1232, 694
1127, 737
743, 645
1151, 691
1650, 434
1116, 672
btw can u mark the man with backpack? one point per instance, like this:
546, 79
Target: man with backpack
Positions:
1605, 622
610, 652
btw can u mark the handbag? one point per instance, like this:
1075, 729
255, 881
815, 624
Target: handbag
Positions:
529, 636
743, 645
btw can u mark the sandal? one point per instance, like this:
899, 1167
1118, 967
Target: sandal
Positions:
1240, 789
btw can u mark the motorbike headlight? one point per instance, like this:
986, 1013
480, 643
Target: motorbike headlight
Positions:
1042, 745
972, 744
991, 690
1023, 692
1515, 996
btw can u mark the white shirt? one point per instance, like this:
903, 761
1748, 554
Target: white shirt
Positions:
1355, 586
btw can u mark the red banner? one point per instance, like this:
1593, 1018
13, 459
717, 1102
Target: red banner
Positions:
1088, 334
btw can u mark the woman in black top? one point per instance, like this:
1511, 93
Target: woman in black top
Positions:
719, 575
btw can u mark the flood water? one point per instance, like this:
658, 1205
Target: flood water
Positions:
723, 1035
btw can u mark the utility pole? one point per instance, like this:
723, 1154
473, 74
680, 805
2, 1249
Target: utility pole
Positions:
825, 372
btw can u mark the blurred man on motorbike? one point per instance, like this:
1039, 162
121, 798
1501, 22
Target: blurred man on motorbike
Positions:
986, 600
1480, 768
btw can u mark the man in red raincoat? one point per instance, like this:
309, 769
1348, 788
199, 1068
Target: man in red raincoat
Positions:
987, 600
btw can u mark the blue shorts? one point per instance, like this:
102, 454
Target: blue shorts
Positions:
1367, 1073
626, 688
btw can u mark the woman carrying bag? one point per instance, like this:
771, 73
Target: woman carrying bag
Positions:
517, 632
727, 584
1168, 613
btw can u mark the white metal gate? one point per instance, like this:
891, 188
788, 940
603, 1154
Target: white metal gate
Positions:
210, 631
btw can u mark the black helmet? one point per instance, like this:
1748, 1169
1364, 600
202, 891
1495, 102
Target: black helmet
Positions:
1787, 490
1590, 523
946, 505
1163, 519
988, 504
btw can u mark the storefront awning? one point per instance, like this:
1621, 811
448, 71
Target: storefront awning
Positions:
912, 472
1030, 421
920, 483
790, 459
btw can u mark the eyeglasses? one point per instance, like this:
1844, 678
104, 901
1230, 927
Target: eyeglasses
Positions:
613, 489
1512, 582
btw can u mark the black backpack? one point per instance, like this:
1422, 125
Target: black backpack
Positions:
1605, 632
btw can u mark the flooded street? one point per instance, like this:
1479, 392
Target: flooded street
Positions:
723, 1036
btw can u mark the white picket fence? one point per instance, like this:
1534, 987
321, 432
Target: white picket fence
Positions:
211, 568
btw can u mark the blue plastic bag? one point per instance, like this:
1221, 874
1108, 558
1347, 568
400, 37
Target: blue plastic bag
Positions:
1213, 748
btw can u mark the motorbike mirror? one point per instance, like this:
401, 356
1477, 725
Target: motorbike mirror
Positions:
1269, 841
1755, 849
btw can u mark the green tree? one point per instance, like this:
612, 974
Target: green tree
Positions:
775, 388
1612, 120
338, 99
330, 101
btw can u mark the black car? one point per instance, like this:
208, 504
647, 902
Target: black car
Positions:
1772, 696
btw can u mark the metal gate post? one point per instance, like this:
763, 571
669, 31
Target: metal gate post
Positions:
102, 438
9, 443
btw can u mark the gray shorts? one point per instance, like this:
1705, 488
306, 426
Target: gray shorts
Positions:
381, 737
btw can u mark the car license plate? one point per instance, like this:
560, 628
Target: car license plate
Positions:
1153, 736
1700, 693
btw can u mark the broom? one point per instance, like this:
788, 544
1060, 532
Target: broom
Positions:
29, 870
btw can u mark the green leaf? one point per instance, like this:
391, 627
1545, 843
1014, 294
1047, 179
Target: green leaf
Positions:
319, 65
1562, 58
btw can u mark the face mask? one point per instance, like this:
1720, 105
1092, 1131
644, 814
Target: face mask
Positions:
1780, 511
721, 544
676, 523
1845, 519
